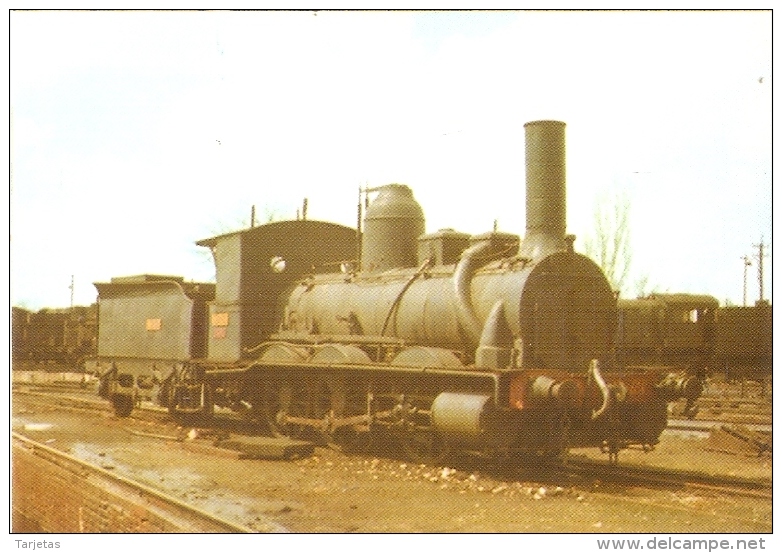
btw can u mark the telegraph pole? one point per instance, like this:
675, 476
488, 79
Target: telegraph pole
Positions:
71, 288
761, 255
747, 264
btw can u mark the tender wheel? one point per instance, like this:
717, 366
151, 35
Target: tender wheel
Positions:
123, 405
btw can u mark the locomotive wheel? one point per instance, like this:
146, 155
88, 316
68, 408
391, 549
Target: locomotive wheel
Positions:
202, 417
282, 400
123, 405
336, 400
424, 446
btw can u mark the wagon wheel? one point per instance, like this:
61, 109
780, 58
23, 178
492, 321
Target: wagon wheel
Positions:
336, 400
280, 401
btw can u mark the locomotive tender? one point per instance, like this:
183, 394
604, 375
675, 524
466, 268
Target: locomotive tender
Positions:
444, 340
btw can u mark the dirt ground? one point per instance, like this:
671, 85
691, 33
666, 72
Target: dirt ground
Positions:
377, 493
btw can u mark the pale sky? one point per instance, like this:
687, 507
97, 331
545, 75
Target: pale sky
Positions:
135, 134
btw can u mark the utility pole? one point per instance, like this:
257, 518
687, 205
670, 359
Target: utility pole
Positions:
761, 255
359, 236
71, 288
747, 264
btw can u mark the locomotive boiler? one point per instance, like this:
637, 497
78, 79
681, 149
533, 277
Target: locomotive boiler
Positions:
440, 340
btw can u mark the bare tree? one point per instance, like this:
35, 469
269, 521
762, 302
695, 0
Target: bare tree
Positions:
641, 286
609, 243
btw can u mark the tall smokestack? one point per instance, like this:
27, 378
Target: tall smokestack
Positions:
546, 207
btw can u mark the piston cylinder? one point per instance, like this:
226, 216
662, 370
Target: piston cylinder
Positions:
462, 418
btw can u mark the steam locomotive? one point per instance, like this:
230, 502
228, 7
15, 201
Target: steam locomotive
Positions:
443, 340
692, 331
667, 329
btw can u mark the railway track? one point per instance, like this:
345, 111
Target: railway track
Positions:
582, 467
470, 478
73, 396
162, 512
146, 411
706, 426
75, 399
759, 488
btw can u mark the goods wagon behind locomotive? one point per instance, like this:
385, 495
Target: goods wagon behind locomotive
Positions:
482, 342
743, 342
53, 339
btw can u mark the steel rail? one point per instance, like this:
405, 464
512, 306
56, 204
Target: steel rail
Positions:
734, 485
181, 515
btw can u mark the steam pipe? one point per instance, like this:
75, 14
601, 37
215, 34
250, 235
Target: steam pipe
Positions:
462, 277
496, 345
395, 305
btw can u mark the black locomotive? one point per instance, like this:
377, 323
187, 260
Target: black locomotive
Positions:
693, 332
443, 340
667, 329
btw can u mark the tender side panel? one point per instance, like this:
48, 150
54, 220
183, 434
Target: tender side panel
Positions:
150, 321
